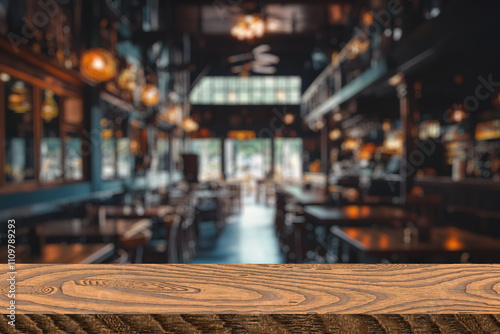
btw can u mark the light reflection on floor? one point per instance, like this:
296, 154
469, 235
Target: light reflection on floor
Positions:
247, 238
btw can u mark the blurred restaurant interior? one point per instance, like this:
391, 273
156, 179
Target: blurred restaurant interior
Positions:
249, 131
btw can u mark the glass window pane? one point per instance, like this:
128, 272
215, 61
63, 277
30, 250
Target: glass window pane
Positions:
288, 159
209, 156
256, 83
108, 158
19, 138
108, 147
247, 90
269, 96
73, 161
268, 82
245, 97
256, 97
162, 149
123, 157
51, 148
219, 97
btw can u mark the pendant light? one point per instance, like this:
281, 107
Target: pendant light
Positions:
18, 100
189, 125
49, 110
150, 95
98, 65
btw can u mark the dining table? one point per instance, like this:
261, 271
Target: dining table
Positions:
446, 243
63, 253
84, 230
129, 211
356, 214
306, 196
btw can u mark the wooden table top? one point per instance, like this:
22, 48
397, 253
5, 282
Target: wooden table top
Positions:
251, 289
63, 253
82, 227
444, 240
355, 214
307, 197
128, 211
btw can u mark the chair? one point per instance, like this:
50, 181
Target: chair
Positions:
427, 211
186, 246
235, 196
134, 245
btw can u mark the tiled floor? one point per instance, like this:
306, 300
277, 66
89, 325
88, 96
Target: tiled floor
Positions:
247, 238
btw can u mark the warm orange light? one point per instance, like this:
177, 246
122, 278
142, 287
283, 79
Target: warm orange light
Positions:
367, 151
352, 232
458, 115
289, 118
150, 95
366, 240
134, 146
189, 125
172, 114
453, 244
365, 211
49, 110
127, 78
107, 134
249, 28
386, 125
240, 135
350, 144
98, 65
335, 134
384, 241
352, 211
367, 19
18, 100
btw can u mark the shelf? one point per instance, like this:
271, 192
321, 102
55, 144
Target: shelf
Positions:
351, 90
486, 184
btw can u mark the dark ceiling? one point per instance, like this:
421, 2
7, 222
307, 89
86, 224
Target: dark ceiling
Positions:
302, 33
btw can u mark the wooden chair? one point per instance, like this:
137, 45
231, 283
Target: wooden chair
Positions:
187, 234
134, 245
235, 195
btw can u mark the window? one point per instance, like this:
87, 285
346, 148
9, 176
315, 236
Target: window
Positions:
288, 159
247, 90
209, 158
115, 144
19, 163
123, 155
50, 144
42, 131
73, 159
247, 159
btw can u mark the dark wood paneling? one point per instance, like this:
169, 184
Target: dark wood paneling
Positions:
234, 323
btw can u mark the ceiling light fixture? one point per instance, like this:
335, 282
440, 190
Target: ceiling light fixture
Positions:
150, 95
49, 110
98, 65
249, 27
18, 99
190, 125
289, 118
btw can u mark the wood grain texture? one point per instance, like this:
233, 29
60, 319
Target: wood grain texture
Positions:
232, 289
239, 323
